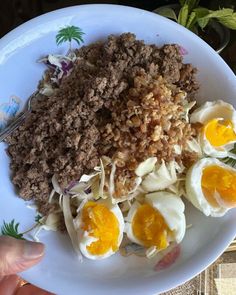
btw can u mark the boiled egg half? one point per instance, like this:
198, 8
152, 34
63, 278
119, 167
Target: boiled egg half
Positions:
211, 186
218, 132
157, 221
100, 225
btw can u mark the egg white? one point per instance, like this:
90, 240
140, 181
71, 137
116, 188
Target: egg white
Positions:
86, 240
170, 206
194, 191
211, 110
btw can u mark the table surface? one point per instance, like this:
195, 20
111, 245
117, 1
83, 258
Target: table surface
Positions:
220, 278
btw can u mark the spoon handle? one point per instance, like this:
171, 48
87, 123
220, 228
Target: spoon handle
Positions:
13, 125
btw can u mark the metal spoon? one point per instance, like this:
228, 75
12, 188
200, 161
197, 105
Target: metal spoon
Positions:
19, 120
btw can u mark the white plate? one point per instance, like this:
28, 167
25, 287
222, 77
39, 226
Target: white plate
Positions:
60, 271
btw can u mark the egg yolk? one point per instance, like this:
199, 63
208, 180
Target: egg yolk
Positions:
216, 179
219, 132
149, 227
102, 224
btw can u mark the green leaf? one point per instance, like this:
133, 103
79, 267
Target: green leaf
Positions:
68, 34
202, 22
37, 218
182, 2
230, 161
225, 16
191, 20
220, 13
192, 4
11, 229
201, 12
229, 21
166, 12
183, 15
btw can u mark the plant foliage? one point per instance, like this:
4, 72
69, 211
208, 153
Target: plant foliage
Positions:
11, 229
193, 16
231, 161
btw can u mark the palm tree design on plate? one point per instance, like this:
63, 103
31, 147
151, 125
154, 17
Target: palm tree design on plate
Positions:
69, 34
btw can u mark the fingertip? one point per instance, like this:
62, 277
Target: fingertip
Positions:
18, 255
33, 250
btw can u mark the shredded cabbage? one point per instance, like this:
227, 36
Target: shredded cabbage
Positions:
177, 149
86, 178
137, 182
51, 196
51, 222
189, 226
187, 107
231, 155
112, 180
79, 187
101, 184
193, 145
46, 89
178, 188
151, 252
46, 223
102, 180
162, 177
56, 189
95, 186
81, 206
70, 225
60, 65
125, 206
146, 166
56, 185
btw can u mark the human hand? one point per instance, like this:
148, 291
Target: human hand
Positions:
17, 256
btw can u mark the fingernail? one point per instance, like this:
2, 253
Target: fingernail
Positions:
33, 250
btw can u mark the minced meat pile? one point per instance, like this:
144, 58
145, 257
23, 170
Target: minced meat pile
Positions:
64, 134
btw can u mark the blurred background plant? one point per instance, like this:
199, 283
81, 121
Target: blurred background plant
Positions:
194, 17
211, 25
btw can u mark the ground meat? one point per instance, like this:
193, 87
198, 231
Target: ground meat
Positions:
62, 135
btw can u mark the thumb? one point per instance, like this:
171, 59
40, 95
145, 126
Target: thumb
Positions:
18, 255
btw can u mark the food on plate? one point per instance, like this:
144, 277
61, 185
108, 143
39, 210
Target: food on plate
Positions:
113, 142
161, 177
211, 186
147, 124
218, 133
156, 222
100, 227
69, 131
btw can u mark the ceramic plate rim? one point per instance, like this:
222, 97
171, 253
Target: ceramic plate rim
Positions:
218, 245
